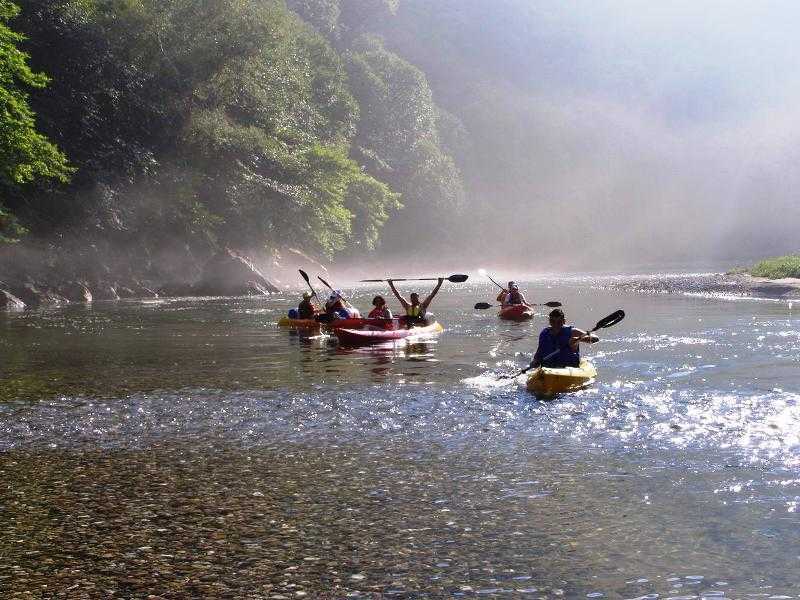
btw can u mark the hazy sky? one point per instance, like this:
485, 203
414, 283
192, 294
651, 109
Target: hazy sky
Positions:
661, 130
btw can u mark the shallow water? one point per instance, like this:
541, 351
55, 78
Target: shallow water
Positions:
191, 447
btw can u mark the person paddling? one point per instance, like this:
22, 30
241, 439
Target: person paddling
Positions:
415, 310
558, 344
307, 308
512, 295
339, 308
381, 311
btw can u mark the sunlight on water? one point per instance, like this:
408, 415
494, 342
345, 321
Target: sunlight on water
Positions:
665, 478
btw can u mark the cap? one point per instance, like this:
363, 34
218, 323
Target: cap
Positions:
306, 295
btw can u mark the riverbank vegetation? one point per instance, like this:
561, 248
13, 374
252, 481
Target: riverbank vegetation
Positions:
777, 267
196, 126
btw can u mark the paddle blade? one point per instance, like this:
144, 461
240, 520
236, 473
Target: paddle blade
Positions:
305, 276
610, 320
457, 278
370, 280
482, 306
553, 304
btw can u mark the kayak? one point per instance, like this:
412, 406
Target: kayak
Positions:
371, 336
349, 323
299, 323
516, 312
545, 381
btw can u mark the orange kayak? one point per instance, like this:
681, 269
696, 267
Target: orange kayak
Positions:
516, 312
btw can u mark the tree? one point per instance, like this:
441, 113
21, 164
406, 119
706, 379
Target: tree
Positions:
25, 154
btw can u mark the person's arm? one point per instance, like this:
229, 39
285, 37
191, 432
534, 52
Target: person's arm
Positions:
389, 313
537, 358
432, 294
501, 297
402, 300
578, 335
522, 299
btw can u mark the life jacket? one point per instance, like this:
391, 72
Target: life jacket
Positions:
306, 309
548, 343
513, 297
380, 313
415, 312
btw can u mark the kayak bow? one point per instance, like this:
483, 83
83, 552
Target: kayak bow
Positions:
545, 381
516, 312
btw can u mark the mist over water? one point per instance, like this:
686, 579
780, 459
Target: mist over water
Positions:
620, 133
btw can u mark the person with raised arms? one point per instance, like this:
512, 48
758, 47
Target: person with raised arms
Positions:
558, 344
415, 310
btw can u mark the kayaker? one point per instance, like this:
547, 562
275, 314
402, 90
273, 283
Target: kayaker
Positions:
339, 308
381, 311
307, 309
415, 310
512, 295
558, 344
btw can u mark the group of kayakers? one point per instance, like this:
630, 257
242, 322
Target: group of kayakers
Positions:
558, 344
337, 307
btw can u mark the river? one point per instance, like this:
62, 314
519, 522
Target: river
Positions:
190, 447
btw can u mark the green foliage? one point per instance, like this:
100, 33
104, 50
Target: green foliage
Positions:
25, 154
202, 124
777, 267
322, 14
398, 138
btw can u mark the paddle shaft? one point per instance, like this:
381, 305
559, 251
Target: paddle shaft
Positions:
328, 285
308, 282
451, 279
485, 305
497, 284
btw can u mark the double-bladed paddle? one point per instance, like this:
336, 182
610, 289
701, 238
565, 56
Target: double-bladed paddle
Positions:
308, 282
494, 282
451, 279
603, 323
485, 305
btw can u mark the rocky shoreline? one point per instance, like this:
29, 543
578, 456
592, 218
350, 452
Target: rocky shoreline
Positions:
226, 274
718, 284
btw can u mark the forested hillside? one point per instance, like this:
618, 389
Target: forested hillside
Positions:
192, 126
141, 138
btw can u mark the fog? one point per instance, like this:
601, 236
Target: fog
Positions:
620, 133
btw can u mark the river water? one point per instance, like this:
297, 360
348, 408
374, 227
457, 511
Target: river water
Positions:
189, 447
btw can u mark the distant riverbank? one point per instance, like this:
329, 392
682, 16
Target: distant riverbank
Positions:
738, 284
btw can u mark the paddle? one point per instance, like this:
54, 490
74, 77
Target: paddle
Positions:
485, 305
328, 285
451, 279
308, 282
603, 323
494, 282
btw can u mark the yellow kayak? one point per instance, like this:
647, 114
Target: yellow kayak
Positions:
545, 381
299, 323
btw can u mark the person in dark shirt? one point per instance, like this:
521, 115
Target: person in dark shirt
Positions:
307, 309
558, 344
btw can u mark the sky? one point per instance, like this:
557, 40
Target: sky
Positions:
632, 131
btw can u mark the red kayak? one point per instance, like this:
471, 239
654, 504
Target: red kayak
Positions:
354, 337
335, 324
516, 312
